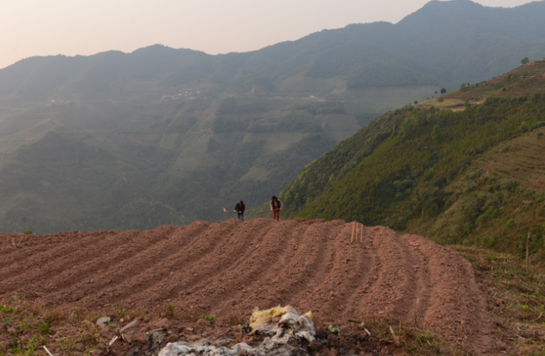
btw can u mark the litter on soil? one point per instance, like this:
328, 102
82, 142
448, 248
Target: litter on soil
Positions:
284, 323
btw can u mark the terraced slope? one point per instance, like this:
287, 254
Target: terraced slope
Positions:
228, 268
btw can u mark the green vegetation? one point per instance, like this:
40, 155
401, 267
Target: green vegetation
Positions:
170, 310
120, 310
438, 173
29, 326
210, 318
514, 297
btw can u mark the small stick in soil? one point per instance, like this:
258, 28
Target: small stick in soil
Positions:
361, 233
149, 332
527, 253
353, 231
46, 350
128, 325
396, 339
393, 333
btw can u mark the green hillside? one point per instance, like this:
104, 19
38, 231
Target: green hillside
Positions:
467, 171
183, 134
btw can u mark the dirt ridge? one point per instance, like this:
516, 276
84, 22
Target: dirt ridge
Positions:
228, 268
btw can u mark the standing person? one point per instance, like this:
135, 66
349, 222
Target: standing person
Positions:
239, 208
276, 205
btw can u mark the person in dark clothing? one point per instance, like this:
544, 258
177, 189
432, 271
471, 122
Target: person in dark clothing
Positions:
276, 205
240, 210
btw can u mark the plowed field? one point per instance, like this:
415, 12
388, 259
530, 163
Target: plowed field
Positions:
230, 267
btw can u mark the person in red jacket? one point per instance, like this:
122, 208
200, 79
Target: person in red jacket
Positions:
276, 205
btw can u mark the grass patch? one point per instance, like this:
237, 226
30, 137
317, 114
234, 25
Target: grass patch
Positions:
400, 337
515, 298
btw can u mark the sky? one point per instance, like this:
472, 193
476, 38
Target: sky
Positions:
85, 27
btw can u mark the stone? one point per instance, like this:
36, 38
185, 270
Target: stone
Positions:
161, 324
155, 338
78, 347
103, 321
174, 349
77, 296
243, 349
223, 351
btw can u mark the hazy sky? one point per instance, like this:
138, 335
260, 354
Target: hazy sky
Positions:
38, 27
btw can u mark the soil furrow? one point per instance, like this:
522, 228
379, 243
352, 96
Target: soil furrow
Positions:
228, 268
59, 261
123, 279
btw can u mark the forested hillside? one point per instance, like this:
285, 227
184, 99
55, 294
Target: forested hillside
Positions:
466, 168
178, 135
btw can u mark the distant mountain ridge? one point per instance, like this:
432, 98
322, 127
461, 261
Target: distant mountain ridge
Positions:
443, 43
185, 134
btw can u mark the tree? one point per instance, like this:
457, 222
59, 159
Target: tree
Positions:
443, 91
436, 133
463, 87
407, 126
525, 60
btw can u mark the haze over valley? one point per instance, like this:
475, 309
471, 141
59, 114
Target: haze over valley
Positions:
170, 136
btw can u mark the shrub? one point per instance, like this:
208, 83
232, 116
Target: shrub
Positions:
6, 309
170, 310
509, 184
210, 318
43, 328
120, 310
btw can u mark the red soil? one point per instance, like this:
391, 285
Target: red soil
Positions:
228, 268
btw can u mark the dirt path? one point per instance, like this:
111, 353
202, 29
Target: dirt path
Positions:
230, 267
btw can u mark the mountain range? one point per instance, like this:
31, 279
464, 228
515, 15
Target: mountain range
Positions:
170, 136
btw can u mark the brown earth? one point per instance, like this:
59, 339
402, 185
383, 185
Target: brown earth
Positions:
228, 268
